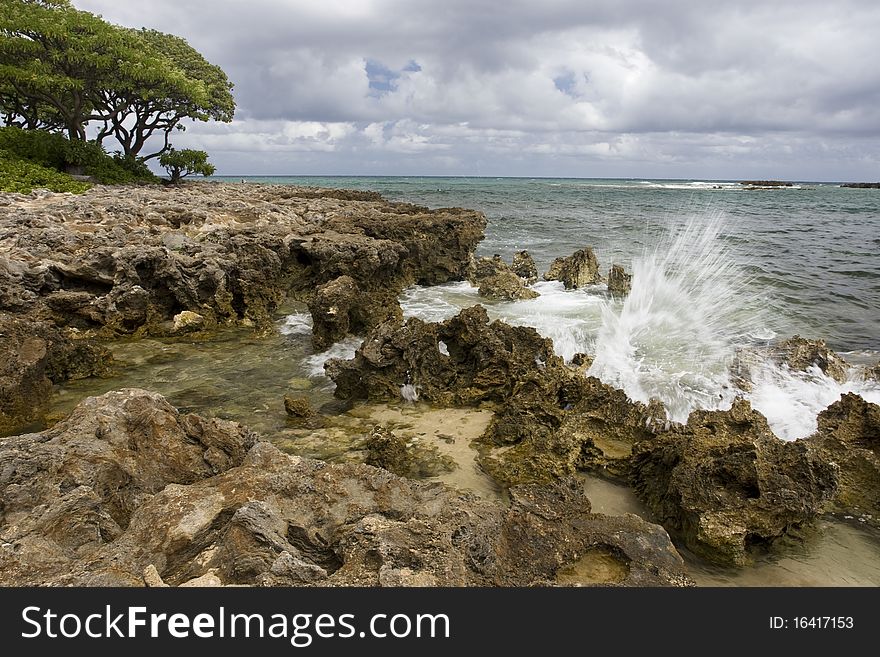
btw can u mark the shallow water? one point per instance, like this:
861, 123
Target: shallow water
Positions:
835, 553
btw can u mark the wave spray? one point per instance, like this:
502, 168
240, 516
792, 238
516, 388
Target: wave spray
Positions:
676, 334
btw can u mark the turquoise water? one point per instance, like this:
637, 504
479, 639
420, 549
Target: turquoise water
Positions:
810, 252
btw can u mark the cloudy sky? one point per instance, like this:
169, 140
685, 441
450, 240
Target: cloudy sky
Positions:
587, 88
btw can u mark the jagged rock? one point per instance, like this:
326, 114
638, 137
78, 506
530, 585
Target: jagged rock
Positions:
152, 579
484, 360
129, 261
555, 270
208, 580
524, 266
619, 282
561, 422
549, 418
495, 280
275, 519
801, 354
582, 361
341, 308
33, 356
849, 435
579, 269
300, 412
385, 449
506, 286
290, 570
723, 482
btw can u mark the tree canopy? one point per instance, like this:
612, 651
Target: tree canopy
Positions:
62, 69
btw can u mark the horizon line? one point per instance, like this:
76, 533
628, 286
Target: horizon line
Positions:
628, 178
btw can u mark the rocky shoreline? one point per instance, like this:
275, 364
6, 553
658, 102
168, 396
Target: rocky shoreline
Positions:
151, 261
130, 491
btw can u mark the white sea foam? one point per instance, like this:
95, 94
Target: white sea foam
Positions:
438, 302
792, 400
296, 324
342, 349
568, 317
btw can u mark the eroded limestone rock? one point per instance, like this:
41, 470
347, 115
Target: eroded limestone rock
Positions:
724, 483
496, 280
578, 270
849, 435
127, 492
801, 354
619, 282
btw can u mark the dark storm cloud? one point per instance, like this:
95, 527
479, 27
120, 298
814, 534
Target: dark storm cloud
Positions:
537, 88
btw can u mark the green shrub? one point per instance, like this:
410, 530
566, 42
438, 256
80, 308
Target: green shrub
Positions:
23, 176
55, 151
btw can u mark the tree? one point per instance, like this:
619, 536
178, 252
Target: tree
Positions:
54, 60
61, 69
180, 164
189, 87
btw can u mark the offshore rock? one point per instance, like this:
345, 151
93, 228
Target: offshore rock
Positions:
619, 282
801, 354
33, 356
496, 280
577, 270
127, 492
524, 266
849, 435
723, 482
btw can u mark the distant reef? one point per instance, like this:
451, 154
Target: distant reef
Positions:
766, 183
874, 185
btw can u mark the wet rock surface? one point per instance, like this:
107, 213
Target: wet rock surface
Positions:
128, 492
801, 354
549, 419
849, 435
579, 269
724, 483
619, 282
523, 265
33, 356
484, 360
496, 280
183, 260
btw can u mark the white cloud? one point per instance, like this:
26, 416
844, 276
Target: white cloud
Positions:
560, 87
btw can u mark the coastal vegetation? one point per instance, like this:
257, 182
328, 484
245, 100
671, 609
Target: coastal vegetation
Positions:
73, 86
180, 164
